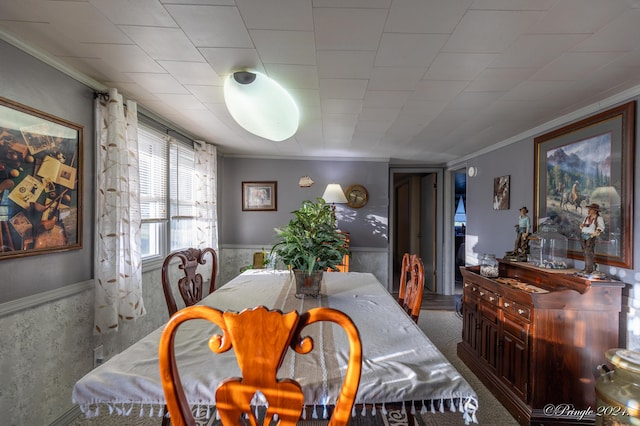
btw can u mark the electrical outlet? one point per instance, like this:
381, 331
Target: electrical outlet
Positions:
98, 356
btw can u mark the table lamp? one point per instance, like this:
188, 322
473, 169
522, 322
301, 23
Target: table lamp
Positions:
333, 194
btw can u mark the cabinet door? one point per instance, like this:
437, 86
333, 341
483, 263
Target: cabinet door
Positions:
488, 339
514, 365
470, 325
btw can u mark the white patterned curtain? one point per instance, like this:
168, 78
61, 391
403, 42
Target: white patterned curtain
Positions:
206, 171
118, 283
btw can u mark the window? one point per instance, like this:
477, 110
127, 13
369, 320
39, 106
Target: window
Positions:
182, 198
167, 198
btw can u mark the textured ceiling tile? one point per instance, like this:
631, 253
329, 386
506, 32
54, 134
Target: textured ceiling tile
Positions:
196, 73
409, 50
425, 17
458, 66
212, 26
285, 47
268, 14
348, 29
164, 43
345, 64
226, 60
490, 31
138, 12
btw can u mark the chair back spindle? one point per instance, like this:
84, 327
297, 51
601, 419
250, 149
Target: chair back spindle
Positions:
189, 286
404, 272
414, 288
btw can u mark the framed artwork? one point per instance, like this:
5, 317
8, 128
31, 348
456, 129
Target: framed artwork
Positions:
590, 161
501, 193
260, 196
40, 182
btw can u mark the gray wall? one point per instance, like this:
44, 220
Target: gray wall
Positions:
367, 225
488, 230
28, 81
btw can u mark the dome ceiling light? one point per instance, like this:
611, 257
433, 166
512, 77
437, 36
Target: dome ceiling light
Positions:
261, 106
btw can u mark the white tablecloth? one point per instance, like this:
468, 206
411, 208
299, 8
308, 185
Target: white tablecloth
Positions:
400, 364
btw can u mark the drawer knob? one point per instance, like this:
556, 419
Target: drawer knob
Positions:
482, 293
521, 311
506, 304
491, 298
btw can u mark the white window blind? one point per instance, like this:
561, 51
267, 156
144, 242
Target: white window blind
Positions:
153, 174
182, 195
167, 193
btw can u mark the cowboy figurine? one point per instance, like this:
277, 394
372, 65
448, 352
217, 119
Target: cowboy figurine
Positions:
523, 229
591, 227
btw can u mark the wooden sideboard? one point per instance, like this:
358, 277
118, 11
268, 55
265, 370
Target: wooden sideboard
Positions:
344, 266
535, 336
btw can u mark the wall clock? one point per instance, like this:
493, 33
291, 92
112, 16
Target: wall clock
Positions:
357, 196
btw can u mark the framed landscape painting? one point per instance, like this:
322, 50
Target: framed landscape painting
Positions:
40, 182
590, 161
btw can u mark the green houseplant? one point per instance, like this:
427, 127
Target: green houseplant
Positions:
310, 244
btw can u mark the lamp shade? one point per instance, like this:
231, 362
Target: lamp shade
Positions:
334, 194
261, 106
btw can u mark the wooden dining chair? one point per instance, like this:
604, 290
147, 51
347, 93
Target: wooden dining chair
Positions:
189, 283
260, 338
404, 272
415, 288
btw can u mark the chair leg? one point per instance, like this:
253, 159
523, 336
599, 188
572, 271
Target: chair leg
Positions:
166, 421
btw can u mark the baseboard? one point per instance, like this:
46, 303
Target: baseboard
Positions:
68, 417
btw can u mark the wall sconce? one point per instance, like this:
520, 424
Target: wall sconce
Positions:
472, 171
261, 106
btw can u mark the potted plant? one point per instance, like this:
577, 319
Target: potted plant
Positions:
310, 244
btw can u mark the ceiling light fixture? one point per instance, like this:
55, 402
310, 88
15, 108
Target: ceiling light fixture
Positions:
261, 106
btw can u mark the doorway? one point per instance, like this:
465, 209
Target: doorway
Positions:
415, 206
459, 224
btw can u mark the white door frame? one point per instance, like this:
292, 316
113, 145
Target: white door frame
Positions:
441, 284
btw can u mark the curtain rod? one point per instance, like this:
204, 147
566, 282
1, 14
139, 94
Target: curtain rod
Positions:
152, 119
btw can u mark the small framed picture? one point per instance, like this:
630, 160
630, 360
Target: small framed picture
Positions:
260, 196
501, 193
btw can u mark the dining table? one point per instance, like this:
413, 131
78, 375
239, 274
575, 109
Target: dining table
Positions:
400, 365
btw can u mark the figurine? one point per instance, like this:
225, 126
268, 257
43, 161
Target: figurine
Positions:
590, 228
523, 229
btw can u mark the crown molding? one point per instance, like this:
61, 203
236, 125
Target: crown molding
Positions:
611, 101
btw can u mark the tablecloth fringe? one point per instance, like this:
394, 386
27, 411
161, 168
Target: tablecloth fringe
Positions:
465, 405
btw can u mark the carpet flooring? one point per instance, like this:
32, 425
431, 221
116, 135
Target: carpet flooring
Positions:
444, 328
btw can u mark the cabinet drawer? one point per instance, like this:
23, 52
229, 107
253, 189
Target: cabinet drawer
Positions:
489, 296
488, 311
516, 327
522, 311
471, 288
516, 308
